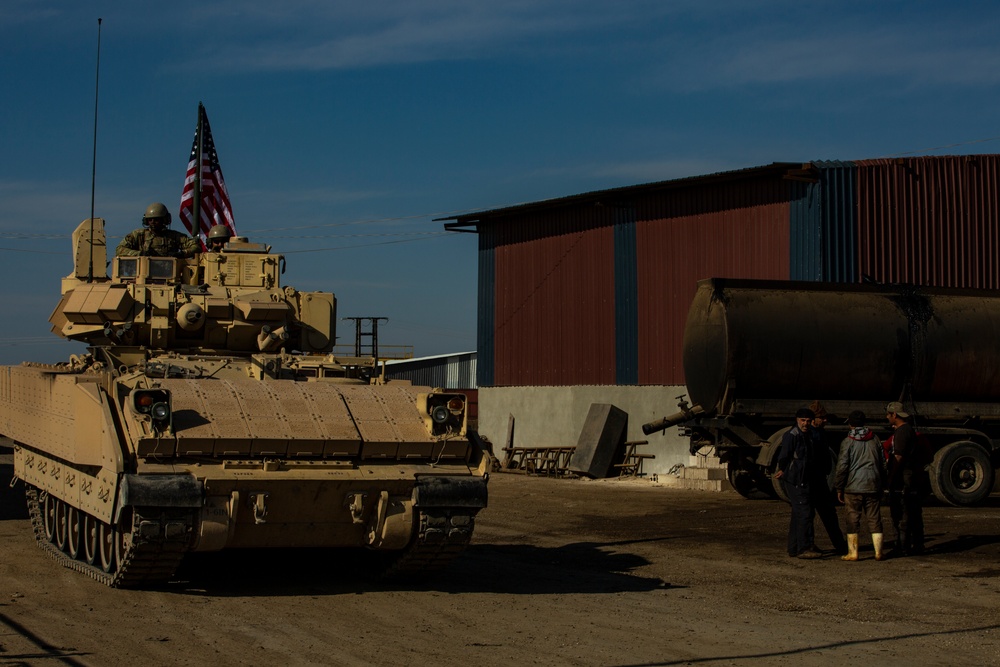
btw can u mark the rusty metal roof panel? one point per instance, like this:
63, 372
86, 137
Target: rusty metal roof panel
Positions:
554, 300
930, 220
734, 230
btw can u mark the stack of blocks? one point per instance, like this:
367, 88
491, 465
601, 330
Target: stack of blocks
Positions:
703, 472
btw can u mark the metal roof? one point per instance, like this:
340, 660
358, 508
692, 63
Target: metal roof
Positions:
793, 170
393, 362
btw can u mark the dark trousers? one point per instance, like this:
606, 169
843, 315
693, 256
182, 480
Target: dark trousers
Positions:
822, 500
907, 511
800, 530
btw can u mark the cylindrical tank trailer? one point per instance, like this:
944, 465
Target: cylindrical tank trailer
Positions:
755, 351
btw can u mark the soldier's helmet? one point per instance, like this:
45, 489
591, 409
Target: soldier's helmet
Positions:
219, 233
156, 210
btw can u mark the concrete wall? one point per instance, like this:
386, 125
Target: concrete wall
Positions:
555, 416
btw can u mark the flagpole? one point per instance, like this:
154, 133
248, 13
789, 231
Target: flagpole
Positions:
196, 205
93, 168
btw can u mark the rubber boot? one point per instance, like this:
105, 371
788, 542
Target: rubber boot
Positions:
852, 547
877, 543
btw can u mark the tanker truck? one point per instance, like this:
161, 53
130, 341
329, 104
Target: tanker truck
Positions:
208, 413
755, 351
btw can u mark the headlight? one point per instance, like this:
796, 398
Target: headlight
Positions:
160, 411
443, 413
154, 403
440, 414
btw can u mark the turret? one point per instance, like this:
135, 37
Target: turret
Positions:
219, 302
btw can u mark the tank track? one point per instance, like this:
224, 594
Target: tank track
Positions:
441, 535
146, 562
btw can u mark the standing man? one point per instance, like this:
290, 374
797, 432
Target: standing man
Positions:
859, 481
908, 483
795, 467
821, 494
154, 239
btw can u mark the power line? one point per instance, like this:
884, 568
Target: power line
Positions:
941, 148
363, 245
40, 252
355, 236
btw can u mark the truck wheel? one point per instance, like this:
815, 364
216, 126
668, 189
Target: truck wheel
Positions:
961, 474
741, 480
776, 484
779, 489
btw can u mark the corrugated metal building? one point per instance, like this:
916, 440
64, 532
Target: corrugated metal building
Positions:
593, 289
447, 371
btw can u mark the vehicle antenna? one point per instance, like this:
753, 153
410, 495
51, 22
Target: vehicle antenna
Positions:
93, 168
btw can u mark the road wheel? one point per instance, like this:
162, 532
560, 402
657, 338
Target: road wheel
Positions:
73, 533
49, 516
61, 524
107, 536
961, 474
91, 539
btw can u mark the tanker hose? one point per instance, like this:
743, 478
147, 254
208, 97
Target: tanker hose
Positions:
672, 420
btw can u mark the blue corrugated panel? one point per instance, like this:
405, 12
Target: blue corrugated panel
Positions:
626, 299
487, 305
804, 225
823, 225
839, 216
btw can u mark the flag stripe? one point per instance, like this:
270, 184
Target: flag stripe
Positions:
215, 207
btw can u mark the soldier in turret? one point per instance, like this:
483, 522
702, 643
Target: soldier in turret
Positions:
218, 237
154, 239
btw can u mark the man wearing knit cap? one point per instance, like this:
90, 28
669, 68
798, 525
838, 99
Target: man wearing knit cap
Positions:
908, 483
795, 468
822, 496
820, 418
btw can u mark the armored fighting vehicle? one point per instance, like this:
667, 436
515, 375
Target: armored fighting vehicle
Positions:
209, 413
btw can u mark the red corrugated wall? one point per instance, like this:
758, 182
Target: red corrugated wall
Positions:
930, 220
554, 314
736, 230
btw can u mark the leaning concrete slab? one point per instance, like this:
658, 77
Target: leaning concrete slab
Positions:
601, 441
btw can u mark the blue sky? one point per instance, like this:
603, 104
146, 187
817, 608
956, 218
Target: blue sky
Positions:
345, 128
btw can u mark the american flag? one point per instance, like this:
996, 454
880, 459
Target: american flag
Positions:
215, 208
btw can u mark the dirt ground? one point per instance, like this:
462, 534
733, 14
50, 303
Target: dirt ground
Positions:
560, 572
